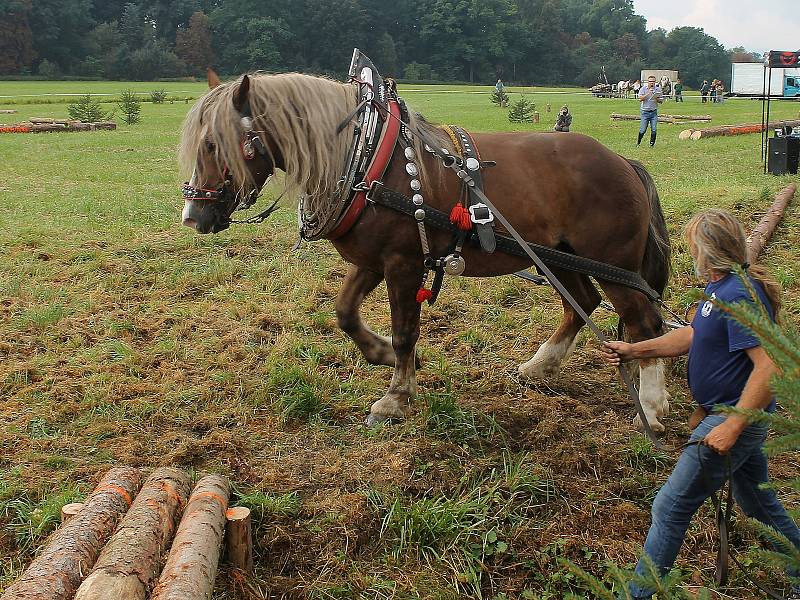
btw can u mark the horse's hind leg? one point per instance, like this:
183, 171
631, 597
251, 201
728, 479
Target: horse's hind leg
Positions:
643, 321
358, 283
548, 358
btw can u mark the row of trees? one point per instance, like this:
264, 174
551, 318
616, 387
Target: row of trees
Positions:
528, 41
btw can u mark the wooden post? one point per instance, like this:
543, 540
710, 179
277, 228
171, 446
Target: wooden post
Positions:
764, 230
192, 563
131, 561
70, 510
72, 550
549, 108
239, 539
535, 116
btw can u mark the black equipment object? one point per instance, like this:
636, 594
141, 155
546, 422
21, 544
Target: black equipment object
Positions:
783, 155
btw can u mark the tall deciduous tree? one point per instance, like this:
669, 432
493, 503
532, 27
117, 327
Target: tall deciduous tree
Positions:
193, 44
61, 27
16, 38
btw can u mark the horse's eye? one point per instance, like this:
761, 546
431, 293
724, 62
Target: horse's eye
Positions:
210, 146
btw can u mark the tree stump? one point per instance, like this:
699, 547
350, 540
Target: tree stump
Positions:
239, 539
70, 510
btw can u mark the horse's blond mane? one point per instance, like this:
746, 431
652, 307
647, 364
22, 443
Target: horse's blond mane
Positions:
300, 113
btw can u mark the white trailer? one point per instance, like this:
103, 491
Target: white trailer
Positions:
747, 79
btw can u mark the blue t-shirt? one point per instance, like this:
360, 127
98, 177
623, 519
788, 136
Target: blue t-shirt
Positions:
718, 364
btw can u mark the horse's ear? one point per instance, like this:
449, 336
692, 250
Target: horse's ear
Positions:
213, 79
240, 95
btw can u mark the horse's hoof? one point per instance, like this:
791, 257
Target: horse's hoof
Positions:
374, 420
655, 425
538, 370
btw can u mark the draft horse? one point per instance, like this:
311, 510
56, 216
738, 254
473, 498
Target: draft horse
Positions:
562, 190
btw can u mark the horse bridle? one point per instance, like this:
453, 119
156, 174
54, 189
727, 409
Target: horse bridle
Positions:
225, 193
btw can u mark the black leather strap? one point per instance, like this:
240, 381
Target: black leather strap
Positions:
485, 231
382, 196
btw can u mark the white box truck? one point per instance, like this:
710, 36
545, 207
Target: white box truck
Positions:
747, 79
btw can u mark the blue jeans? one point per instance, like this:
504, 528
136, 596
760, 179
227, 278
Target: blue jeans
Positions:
651, 117
693, 480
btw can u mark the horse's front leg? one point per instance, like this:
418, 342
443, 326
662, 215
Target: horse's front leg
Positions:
358, 283
402, 283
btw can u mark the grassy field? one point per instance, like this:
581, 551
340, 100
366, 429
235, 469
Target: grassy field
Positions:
125, 338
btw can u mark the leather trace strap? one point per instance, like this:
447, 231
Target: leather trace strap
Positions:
383, 196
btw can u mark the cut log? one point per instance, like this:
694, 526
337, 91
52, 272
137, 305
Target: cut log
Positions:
766, 227
42, 120
47, 127
744, 128
664, 118
70, 510
72, 550
685, 134
192, 564
239, 539
8, 111
109, 125
131, 561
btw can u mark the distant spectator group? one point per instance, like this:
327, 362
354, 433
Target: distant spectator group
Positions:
715, 90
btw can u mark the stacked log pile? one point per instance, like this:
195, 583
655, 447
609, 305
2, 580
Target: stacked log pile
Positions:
671, 119
46, 125
741, 129
113, 544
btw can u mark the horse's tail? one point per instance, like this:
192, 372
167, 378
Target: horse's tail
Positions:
656, 262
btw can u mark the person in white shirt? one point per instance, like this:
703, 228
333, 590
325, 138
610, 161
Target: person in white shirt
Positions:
650, 96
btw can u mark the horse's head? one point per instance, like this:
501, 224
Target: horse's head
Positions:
229, 158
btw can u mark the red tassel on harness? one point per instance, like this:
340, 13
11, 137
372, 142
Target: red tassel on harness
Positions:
459, 217
423, 294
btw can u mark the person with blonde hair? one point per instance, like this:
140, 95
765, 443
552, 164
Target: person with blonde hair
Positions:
727, 367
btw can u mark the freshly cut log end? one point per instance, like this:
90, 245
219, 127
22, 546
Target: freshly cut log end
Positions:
72, 550
70, 510
762, 233
685, 134
131, 561
239, 539
192, 564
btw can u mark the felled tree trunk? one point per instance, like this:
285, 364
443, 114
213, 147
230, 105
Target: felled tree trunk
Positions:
131, 561
744, 128
764, 230
192, 564
73, 549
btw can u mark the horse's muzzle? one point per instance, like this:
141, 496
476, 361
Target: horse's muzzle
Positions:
203, 216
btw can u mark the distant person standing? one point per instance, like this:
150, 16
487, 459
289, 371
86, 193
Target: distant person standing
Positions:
678, 91
712, 92
499, 86
650, 96
704, 91
720, 91
564, 120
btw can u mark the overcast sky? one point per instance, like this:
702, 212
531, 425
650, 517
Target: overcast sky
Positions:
759, 25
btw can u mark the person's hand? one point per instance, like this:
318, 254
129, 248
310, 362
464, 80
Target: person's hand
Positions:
722, 438
616, 352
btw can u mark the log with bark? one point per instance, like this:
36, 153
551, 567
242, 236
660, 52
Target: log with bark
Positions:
8, 111
675, 119
72, 550
131, 561
109, 125
192, 564
766, 227
41, 120
741, 129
